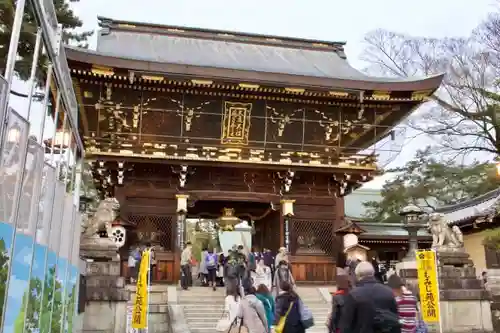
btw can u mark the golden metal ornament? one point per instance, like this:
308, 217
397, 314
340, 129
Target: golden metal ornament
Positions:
227, 221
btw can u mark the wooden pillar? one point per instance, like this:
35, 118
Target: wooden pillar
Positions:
282, 230
287, 213
181, 212
339, 212
337, 223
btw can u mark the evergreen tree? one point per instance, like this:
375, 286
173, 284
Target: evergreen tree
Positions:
65, 17
430, 183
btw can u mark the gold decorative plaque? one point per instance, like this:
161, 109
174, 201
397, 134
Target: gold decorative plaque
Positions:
236, 123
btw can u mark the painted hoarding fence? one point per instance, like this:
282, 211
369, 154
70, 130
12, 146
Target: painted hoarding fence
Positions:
39, 220
19, 278
11, 173
39, 239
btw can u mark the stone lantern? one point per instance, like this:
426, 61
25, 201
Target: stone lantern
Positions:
412, 223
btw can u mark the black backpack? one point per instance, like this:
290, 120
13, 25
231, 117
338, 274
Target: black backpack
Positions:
386, 321
337, 304
232, 270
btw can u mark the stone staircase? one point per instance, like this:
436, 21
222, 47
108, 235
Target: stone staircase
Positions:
202, 308
313, 299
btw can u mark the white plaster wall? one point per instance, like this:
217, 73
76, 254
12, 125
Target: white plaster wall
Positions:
473, 244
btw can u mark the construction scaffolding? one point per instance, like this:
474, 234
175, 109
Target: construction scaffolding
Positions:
39, 189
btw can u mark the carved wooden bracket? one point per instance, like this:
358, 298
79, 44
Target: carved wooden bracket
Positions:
121, 171
183, 172
286, 181
345, 184
103, 177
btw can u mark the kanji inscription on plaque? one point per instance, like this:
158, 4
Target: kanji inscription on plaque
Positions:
236, 123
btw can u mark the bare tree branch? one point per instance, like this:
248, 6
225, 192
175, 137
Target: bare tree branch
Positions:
462, 115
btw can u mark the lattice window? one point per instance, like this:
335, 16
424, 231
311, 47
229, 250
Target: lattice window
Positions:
313, 237
159, 230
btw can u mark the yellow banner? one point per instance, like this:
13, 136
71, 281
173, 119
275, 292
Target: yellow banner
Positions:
140, 310
428, 285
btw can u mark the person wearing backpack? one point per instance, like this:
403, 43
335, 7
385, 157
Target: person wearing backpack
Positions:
282, 274
264, 295
252, 261
132, 265
211, 267
252, 312
370, 307
407, 304
287, 318
338, 300
137, 254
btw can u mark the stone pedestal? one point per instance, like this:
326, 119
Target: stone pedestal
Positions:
158, 312
105, 288
464, 302
98, 249
104, 282
106, 298
454, 257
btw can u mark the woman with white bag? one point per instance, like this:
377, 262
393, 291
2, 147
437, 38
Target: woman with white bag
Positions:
229, 321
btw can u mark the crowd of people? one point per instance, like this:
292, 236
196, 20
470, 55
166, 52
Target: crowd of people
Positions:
260, 289
261, 294
135, 258
219, 269
363, 303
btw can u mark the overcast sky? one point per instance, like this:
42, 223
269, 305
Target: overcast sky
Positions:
318, 19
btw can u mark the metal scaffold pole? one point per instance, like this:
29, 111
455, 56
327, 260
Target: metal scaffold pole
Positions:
11, 62
34, 66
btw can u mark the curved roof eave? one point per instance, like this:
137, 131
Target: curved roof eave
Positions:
493, 194
226, 74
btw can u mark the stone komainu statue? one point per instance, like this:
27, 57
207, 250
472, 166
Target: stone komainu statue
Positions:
102, 220
442, 235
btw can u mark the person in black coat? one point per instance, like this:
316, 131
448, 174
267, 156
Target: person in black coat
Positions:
370, 307
288, 300
338, 300
376, 267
